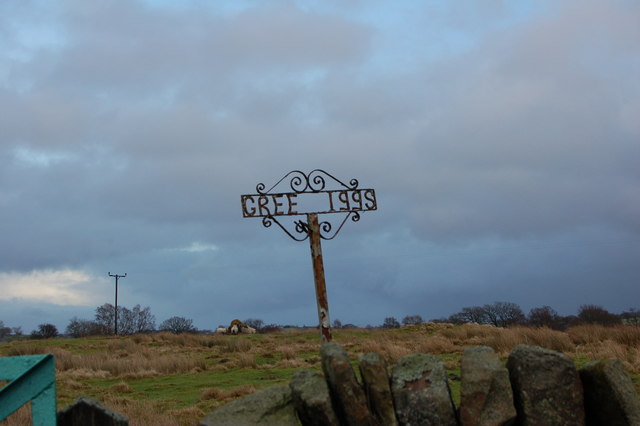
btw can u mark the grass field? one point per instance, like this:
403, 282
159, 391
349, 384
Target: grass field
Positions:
166, 379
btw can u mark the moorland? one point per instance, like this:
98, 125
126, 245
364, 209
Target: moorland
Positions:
175, 379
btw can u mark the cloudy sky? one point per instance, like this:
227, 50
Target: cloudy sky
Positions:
502, 139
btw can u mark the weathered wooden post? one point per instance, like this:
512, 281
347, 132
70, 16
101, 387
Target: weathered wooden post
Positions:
311, 197
318, 277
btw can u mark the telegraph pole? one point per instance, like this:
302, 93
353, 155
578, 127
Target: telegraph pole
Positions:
116, 276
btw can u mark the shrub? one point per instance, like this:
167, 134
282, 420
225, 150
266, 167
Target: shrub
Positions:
83, 328
412, 319
255, 323
177, 325
45, 331
594, 314
4, 331
390, 322
271, 328
545, 316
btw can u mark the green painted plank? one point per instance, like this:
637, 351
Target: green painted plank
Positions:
13, 367
32, 379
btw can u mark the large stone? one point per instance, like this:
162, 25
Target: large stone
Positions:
486, 397
348, 397
546, 387
268, 406
89, 412
421, 391
312, 399
609, 395
375, 379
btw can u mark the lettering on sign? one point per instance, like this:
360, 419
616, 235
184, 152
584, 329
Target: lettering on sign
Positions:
320, 202
312, 194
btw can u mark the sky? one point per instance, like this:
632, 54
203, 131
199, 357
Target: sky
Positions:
502, 139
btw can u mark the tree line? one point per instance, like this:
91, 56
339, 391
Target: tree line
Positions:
499, 314
130, 321
505, 314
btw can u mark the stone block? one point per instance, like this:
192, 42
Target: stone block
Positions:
546, 387
349, 400
421, 392
375, 379
486, 397
269, 406
609, 395
312, 399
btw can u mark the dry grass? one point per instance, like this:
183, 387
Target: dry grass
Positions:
140, 363
504, 340
287, 351
119, 363
245, 360
234, 344
145, 413
292, 363
586, 341
585, 334
219, 394
121, 387
435, 344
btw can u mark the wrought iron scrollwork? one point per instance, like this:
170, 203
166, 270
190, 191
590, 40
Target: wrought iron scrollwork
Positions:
301, 227
315, 181
325, 227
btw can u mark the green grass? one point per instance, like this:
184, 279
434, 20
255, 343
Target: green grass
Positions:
186, 390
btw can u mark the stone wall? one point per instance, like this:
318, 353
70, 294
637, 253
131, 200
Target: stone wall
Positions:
537, 387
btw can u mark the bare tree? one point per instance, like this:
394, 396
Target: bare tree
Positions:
595, 314
82, 328
390, 322
132, 321
255, 323
632, 316
475, 314
4, 331
45, 331
503, 314
105, 316
412, 319
136, 320
125, 321
143, 320
545, 316
178, 325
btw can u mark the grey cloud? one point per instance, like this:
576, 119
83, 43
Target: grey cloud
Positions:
526, 136
128, 49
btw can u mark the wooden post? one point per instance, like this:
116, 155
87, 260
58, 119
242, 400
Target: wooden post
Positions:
318, 276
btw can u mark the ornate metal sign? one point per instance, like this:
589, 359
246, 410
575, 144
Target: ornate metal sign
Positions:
310, 196
315, 193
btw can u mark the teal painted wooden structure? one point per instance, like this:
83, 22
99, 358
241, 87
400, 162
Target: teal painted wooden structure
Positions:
31, 378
